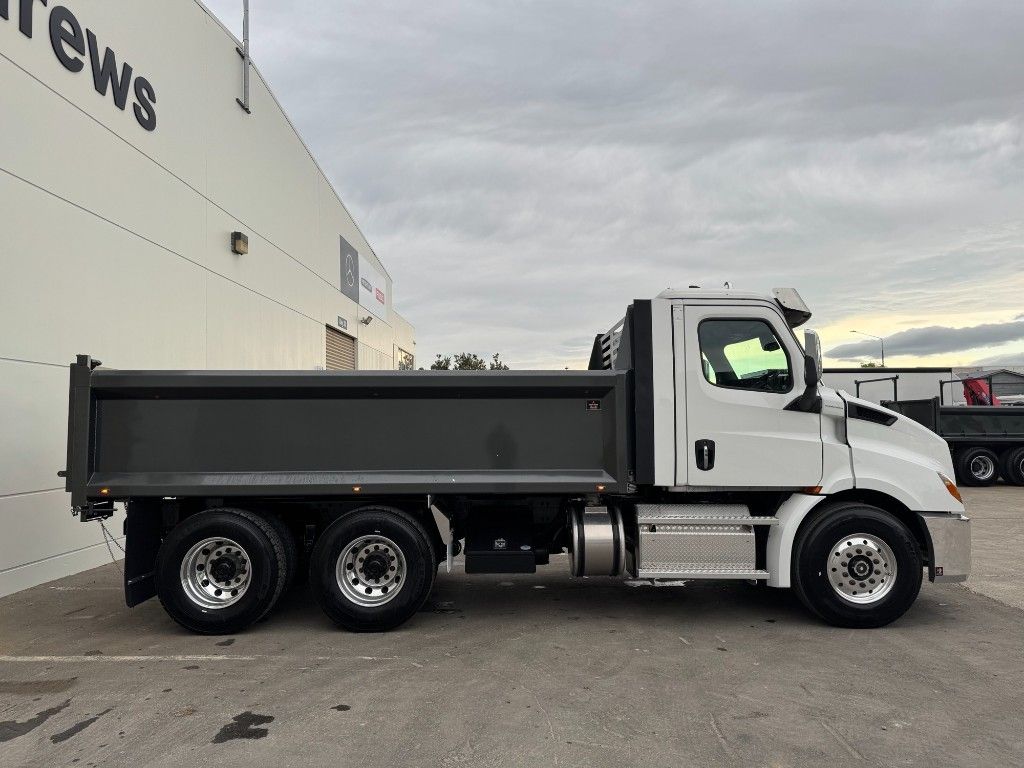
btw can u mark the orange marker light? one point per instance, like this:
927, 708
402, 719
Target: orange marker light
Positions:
104, 491
951, 487
356, 489
600, 487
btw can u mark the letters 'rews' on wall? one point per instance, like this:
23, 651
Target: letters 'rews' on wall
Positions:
71, 44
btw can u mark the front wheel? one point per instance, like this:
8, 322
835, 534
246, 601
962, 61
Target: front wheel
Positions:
372, 569
857, 566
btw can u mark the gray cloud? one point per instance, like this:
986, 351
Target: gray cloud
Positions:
526, 169
933, 340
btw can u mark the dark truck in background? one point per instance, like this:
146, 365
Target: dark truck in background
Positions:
986, 441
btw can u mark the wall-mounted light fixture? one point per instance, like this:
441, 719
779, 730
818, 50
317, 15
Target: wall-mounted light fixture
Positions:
367, 320
239, 243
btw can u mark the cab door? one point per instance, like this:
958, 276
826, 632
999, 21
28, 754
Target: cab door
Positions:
741, 367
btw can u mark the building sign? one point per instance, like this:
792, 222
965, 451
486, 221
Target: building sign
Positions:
349, 270
372, 290
362, 282
73, 45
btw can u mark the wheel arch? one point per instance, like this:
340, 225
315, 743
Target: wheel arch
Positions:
799, 511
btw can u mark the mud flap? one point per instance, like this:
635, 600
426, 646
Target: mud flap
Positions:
142, 526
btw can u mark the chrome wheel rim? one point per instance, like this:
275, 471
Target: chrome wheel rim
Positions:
215, 573
371, 570
983, 468
861, 568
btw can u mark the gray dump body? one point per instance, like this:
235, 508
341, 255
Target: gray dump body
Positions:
317, 433
965, 423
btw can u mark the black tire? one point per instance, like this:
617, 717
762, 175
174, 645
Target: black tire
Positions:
390, 528
812, 561
291, 550
1011, 465
977, 467
265, 563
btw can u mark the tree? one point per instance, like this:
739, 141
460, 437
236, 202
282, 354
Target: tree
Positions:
869, 365
467, 361
441, 364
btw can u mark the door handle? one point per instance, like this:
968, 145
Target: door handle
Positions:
705, 454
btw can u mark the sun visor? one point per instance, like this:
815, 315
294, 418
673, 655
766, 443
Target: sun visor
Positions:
793, 307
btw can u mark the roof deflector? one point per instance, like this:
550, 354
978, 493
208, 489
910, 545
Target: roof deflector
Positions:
793, 307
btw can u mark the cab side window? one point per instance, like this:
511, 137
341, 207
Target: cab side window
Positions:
744, 354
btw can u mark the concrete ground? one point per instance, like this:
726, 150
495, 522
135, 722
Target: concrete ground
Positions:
529, 671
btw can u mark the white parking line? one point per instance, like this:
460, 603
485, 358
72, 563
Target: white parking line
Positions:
101, 657
90, 658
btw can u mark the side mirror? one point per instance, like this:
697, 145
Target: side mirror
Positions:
809, 401
812, 348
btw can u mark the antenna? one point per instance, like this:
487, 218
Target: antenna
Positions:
244, 101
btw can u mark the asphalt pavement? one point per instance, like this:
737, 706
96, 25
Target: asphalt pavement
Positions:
536, 670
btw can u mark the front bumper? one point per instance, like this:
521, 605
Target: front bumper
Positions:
949, 545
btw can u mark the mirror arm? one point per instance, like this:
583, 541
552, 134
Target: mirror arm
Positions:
809, 401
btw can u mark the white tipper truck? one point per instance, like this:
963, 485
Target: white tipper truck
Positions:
699, 445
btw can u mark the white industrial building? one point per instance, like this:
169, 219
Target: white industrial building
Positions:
126, 165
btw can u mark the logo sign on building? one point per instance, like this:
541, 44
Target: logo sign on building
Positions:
372, 290
349, 270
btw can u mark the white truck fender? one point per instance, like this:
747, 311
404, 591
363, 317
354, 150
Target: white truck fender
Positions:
779, 554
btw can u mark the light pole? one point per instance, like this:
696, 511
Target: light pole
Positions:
880, 341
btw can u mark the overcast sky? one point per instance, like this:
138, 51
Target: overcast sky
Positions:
525, 169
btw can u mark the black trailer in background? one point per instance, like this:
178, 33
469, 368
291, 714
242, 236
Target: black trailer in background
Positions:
987, 441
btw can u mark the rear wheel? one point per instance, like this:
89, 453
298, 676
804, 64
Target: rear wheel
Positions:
1011, 465
372, 569
857, 566
219, 571
977, 467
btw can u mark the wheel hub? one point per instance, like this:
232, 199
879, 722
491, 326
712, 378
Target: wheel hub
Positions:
375, 565
983, 468
861, 568
222, 569
215, 573
371, 570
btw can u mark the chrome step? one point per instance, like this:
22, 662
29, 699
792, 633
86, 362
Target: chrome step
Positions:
708, 520
698, 514
707, 573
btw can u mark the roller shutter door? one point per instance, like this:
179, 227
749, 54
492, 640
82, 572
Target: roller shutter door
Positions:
341, 351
